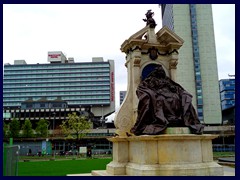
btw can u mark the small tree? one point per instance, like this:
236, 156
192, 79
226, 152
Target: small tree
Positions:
5, 129
14, 128
42, 128
77, 125
27, 129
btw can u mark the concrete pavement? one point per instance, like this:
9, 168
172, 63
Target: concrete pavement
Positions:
228, 171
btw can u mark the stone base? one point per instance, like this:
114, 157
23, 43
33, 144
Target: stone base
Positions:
100, 173
194, 169
163, 155
201, 169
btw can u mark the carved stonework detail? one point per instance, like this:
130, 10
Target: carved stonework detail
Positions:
137, 61
153, 53
125, 122
173, 64
124, 125
124, 118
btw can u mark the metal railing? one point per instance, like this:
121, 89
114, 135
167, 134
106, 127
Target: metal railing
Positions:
10, 160
223, 147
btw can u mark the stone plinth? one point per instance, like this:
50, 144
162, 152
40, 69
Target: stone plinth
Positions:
163, 155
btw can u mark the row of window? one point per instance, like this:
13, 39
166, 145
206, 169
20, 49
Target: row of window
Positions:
55, 89
37, 105
86, 89
46, 71
227, 104
52, 93
227, 81
57, 75
91, 83
73, 84
229, 85
83, 102
102, 94
55, 66
196, 61
63, 98
230, 95
73, 79
227, 88
89, 102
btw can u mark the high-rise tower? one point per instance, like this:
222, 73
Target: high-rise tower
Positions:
197, 65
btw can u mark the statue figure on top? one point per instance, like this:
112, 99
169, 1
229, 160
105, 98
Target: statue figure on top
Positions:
149, 19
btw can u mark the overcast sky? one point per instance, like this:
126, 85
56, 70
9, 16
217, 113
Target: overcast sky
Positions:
84, 31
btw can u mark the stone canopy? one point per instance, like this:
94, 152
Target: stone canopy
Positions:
142, 49
165, 40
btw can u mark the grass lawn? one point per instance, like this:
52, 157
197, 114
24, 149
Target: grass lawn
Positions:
64, 167
223, 154
61, 168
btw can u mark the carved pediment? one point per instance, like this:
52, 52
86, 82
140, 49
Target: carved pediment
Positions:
139, 34
164, 39
135, 39
167, 37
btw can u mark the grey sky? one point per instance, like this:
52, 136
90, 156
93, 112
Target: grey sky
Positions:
84, 31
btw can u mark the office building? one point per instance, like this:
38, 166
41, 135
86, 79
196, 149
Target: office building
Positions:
52, 90
197, 65
227, 93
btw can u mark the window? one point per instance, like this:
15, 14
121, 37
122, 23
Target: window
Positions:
29, 105
42, 105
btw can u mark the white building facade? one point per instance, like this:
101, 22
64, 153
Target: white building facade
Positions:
197, 66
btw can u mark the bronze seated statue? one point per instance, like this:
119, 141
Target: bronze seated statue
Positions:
164, 103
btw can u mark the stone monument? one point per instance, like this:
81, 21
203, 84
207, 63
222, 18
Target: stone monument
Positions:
149, 143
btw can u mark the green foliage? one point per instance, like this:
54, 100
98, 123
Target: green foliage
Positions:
27, 129
14, 128
5, 129
76, 125
42, 128
223, 154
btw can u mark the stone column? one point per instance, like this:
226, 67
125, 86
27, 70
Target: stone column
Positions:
125, 118
136, 75
173, 65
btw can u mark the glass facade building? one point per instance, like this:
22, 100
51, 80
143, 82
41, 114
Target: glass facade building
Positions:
82, 84
227, 93
197, 65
